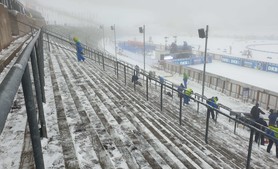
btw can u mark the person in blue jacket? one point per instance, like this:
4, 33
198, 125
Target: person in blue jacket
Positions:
161, 79
79, 49
213, 103
272, 117
180, 90
273, 132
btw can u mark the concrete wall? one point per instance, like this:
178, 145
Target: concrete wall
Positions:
20, 23
13, 23
17, 27
5, 28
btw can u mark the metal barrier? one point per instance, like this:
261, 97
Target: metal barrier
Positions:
9, 87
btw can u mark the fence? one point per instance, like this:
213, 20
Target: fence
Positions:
8, 88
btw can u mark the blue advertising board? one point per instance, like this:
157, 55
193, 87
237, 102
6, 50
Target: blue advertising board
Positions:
265, 66
191, 61
248, 63
232, 60
271, 67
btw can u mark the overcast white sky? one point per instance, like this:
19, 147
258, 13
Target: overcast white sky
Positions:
178, 16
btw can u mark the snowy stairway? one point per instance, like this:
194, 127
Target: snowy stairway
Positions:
191, 117
121, 142
189, 167
222, 149
218, 150
226, 158
161, 121
73, 133
102, 76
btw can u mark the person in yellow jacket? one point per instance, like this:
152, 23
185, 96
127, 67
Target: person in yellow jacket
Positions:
79, 50
272, 131
187, 94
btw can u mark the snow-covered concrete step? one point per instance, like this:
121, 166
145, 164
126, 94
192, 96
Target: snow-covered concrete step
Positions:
198, 136
219, 149
151, 119
116, 87
107, 143
95, 89
52, 147
15, 142
70, 157
133, 157
73, 134
217, 158
231, 158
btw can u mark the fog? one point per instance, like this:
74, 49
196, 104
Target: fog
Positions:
224, 17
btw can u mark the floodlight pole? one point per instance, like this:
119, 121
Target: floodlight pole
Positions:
205, 61
165, 43
144, 47
102, 27
115, 41
142, 30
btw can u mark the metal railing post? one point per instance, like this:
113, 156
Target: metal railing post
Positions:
147, 87
115, 66
103, 62
250, 148
98, 58
32, 118
198, 104
180, 108
134, 86
117, 69
40, 61
48, 42
235, 125
37, 83
125, 73
207, 126
161, 94
172, 91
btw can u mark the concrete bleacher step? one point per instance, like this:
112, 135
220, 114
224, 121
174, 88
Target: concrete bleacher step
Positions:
194, 140
225, 154
114, 128
70, 124
111, 93
107, 142
227, 159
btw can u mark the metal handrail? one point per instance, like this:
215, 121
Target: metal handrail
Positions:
9, 87
10, 84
